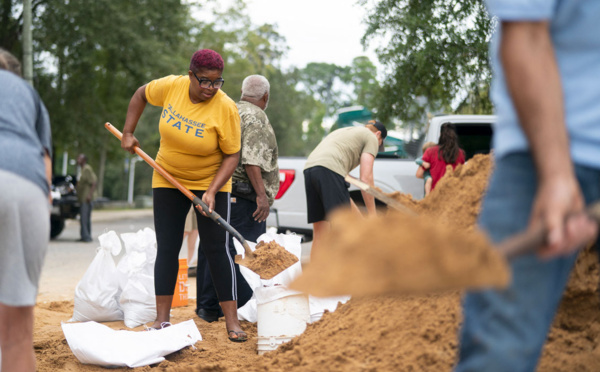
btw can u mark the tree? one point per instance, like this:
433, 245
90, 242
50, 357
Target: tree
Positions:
257, 49
324, 81
435, 50
99, 52
362, 74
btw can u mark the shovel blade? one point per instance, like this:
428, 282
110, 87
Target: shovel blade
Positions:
241, 260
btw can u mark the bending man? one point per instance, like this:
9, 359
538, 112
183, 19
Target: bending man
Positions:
327, 165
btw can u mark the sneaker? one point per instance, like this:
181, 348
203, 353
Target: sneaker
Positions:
209, 315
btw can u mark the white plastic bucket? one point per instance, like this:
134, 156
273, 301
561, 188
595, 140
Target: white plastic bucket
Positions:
281, 320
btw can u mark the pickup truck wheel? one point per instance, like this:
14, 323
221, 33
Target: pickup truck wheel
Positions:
57, 225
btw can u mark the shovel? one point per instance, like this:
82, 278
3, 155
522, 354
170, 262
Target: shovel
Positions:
198, 203
379, 195
530, 240
401, 254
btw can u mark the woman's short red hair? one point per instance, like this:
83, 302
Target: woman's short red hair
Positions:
206, 59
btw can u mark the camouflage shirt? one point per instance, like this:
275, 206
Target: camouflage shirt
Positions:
259, 147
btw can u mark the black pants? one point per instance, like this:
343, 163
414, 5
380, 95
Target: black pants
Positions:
170, 210
241, 220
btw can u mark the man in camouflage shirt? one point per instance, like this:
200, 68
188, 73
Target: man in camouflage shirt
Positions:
255, 184
256, 178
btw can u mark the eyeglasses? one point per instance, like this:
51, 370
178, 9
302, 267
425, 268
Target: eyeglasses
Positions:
207, 83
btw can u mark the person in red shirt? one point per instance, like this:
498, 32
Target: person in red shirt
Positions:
447, 152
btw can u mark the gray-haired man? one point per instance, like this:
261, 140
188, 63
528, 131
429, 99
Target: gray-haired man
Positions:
255, 184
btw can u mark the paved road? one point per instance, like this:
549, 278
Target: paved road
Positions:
67, 259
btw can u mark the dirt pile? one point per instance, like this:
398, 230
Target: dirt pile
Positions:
456, 198
399, 254
270, 259
385, 333
395, 253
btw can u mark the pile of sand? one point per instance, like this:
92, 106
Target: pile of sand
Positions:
385, 333
456, 198
270, 259
397, 253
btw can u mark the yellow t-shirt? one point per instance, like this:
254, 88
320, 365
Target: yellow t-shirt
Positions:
193, 136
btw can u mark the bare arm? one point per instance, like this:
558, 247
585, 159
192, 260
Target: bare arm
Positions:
420, 172
223, 175
533, 81
262, 202
134, 112
366, 175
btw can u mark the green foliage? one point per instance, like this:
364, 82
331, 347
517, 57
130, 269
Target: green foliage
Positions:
362, 74
103, 50
320, 79
249, 49
91, 56
435, 51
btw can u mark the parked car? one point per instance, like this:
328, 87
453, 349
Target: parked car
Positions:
288, 213
64, 203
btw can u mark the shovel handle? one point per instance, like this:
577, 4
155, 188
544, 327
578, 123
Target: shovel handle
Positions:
530, 240
525, 242
198, 203
379, 195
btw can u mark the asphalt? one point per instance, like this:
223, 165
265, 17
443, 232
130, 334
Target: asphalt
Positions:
119, 214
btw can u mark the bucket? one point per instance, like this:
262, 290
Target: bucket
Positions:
281, 320
180, 297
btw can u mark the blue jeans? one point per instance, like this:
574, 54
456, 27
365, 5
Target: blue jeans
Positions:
506, 330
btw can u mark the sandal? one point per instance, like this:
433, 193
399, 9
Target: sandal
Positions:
241, 336
162, 325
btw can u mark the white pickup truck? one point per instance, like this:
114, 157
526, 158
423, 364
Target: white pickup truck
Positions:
288, 212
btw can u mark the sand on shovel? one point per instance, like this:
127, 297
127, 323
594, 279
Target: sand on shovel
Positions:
402, 255
270, 259
441, 249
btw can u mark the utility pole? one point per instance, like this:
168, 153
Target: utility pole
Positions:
27, 41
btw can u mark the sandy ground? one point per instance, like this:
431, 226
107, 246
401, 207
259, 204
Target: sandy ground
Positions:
378, 333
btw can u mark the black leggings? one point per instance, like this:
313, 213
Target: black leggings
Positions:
170, 210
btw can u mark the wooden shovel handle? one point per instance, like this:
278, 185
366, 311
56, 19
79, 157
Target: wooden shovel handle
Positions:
163, 172
379, 195
530, 240
198, 203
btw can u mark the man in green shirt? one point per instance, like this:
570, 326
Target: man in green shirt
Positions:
327, 165
86, 185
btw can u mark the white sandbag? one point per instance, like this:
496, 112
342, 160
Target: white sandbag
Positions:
137, 278
318, 305
249, 312
97, 293
142, 241
138, 300
291, 243
94, 343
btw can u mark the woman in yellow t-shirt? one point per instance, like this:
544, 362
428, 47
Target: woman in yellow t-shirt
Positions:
200, 142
